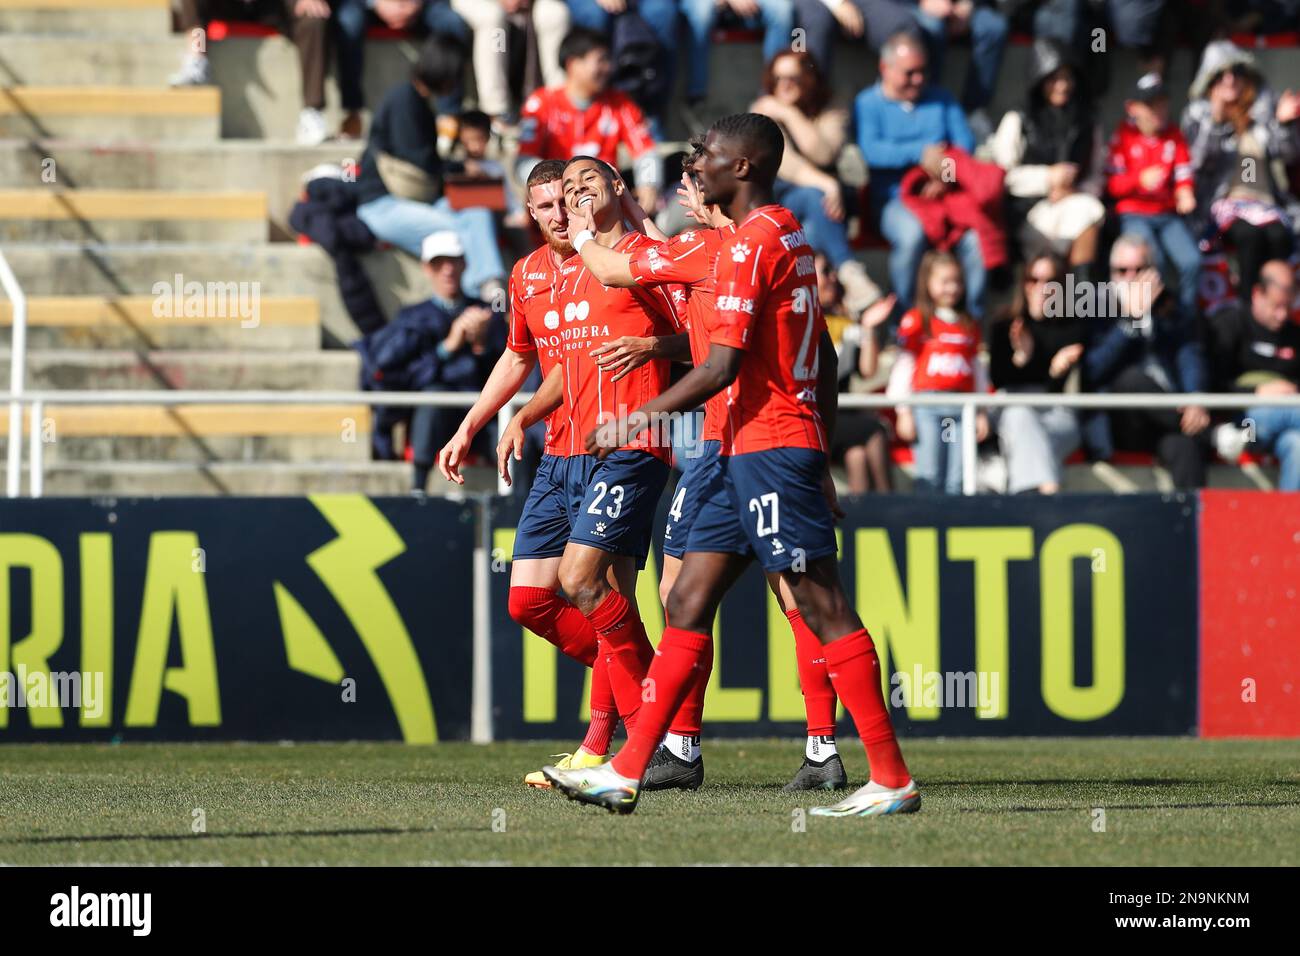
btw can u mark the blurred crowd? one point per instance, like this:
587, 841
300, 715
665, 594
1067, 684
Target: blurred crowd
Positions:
1050, 249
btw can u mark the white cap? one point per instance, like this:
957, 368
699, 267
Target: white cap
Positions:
444, 244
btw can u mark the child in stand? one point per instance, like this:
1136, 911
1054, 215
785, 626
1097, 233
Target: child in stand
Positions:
474, 136
944, 342
1150, 179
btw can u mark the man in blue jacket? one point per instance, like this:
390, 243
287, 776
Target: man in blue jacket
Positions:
447, 343
903, 121
1147, 343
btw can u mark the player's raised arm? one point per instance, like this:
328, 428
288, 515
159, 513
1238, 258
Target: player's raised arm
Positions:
507, 377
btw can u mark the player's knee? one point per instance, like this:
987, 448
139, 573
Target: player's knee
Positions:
583, 588
528, 611
686, 611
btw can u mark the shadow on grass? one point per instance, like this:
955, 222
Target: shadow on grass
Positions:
250, 835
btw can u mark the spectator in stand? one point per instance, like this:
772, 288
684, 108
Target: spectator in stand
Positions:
473, 137
938, 21
1150, 179
1054, 154
796, 96
1147, 345
399, 188
479, 25
305, 22
944, 341
1153, 27
1256, 349
1062, 20
903, 121
584, 117
861, 439
1235, 129
600, 16
1034, 352
775, 16
448, 343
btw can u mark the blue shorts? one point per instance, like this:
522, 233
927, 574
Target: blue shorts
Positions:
768, 504
616, 512
697, 474
544, 527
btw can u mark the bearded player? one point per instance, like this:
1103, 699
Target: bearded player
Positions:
769, 498
689, 259
544, 525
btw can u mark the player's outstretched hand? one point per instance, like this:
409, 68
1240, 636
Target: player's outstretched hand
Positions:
510, 445
690, 199
452, 456
832, 496
623, 354
580, 219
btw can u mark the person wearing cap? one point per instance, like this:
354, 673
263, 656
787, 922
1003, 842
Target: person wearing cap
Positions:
1149, 176
1239, 132
447, 343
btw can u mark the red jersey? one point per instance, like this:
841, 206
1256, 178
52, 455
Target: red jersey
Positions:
532, 316
766, 303
690, 258
1130, 153
551, 127
946, 352
590, 315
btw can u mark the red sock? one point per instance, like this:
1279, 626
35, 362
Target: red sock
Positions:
675, 665
690, 716
616, 621
818, 692
604, 712
854, 669
549, 615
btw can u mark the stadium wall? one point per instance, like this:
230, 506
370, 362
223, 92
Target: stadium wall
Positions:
345, 617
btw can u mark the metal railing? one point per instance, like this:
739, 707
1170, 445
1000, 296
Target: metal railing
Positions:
969, 403
17, 368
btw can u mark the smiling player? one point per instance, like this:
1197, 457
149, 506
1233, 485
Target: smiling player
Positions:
770, 352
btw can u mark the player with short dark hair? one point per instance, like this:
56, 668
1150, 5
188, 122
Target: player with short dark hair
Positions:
771, 497
689, 259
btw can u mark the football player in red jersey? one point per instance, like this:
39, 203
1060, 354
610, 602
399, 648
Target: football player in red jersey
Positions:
611, 521
544, 523
772, 496
689, 259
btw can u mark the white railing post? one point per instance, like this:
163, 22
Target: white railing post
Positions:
969, 449
480, 720
36, 451
17, 368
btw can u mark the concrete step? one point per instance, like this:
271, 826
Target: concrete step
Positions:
126, 18
43, 59
131, 215
68, 268
111, 114
281, 324
203, 433
276, 168
76, 369
131, 479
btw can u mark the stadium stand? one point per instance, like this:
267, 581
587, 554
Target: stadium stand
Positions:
111, 183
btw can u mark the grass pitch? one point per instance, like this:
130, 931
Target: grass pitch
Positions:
988, 802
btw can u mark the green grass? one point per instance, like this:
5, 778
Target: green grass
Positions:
1168, 801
